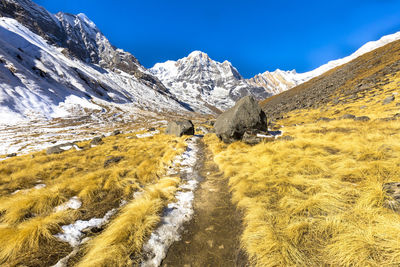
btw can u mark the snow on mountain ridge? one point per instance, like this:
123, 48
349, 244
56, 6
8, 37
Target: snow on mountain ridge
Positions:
204, 83
279, 81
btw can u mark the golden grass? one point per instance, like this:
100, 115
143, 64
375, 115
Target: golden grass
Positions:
125, 235
28, 220
318, 200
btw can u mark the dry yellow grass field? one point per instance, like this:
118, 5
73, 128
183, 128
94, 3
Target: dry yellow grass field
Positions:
318, 200
28, 219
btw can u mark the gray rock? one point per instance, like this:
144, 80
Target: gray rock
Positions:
388, 100
11, 155
245, 115
325, 119
251, 139
96, 141
180, 128
116, 132
362, 118
348, 117
112, 160
59, 148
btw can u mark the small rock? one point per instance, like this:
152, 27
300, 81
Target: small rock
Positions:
11, 155
55, 149
362, 118
397, 115
388, 100
251, 139
152, 129
348, 117
112, 160
96, 141
398, 104
325, 119
116, 132
363, 107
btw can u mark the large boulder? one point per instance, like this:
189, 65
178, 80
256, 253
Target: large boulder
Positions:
180, 128
245, 115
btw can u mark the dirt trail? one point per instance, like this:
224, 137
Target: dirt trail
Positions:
211, 238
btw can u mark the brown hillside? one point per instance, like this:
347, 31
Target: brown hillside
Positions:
341, 85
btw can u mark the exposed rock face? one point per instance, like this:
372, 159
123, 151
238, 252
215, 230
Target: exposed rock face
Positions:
180, 128
245, 115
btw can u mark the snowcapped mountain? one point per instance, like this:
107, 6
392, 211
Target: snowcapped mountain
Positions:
79, 36
204, 83
279, 81
38, 81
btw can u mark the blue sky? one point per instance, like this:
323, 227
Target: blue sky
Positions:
254, 35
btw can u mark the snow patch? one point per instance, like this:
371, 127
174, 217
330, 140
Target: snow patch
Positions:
148, 134
74, 203
72, 233
175, 214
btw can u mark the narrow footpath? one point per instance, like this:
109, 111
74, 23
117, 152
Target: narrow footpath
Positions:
212, 237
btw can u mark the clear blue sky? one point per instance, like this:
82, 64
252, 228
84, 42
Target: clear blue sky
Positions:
254, 35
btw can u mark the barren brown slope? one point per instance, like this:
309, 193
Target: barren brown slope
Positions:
343, 84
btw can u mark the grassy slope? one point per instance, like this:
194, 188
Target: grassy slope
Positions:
318, 199
354, 79
28, 220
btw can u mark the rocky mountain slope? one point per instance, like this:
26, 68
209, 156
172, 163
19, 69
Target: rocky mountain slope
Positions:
79, 36
38, 81
201, 81
340, 85
278, 81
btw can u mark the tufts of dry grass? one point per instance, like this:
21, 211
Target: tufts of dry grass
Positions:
121, 242
28, 220
318, 200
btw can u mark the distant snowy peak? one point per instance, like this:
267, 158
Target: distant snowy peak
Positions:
279, 81
204, 83
368, 47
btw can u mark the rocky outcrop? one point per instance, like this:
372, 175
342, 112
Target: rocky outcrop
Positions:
179, 128
246, 115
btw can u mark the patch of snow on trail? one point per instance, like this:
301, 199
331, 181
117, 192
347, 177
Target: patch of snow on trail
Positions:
72, 233
74, 203
148, 134
175, 214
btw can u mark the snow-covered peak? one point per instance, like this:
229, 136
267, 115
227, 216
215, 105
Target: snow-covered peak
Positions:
84, 18
203, 82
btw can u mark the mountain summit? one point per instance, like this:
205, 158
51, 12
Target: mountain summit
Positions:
201, 81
